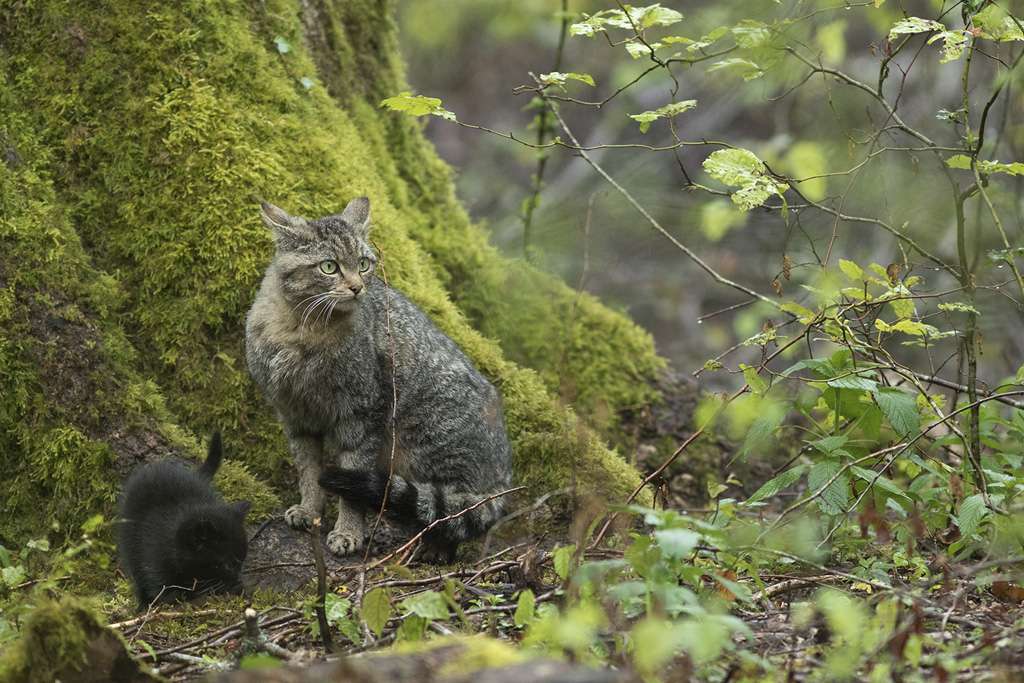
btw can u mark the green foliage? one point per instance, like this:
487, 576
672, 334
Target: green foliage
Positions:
741, 169
668, 111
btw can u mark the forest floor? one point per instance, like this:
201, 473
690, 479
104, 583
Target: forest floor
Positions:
945, 628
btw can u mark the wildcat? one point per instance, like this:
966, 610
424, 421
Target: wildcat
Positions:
328, 343
178, 538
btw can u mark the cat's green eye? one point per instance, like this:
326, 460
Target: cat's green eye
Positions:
364, 264
329, 267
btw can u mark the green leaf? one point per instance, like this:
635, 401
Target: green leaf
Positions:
13, 576
753, 379
562, 560
428, 604
676, 543
959, 307
988, 167
881, 481
40, 544
668, 111
912, 25
855, 382
377, 609
416, 105
745, 68
525, 608
972, 512
778, 483
900, 409
639, 18
282, 45
336, 607
851, 270
412, 629
560, 78
742, 169
836, 497
996, 24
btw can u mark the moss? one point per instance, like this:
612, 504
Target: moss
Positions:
65, 641
75, 408
476, 653
149, 133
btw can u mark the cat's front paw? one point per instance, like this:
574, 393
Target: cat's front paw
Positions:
299, 517
344, 542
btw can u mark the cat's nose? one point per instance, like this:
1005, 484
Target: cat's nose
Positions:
356, 287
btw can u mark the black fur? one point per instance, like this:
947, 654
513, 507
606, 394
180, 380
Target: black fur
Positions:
365, 489
178, 538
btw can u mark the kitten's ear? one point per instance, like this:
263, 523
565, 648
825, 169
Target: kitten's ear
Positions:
283, 225
357, 215
241, 508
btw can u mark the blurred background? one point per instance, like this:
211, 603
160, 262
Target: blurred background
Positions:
472, 54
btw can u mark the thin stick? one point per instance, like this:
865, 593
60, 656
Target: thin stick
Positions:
415, 539
321, 587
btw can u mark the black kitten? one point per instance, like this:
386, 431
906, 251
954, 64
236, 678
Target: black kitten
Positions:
178, 538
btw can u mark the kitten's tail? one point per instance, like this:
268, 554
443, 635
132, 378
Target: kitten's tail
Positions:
214, 452
420, 502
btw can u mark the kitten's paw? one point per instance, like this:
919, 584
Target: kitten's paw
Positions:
298, 517
344, 542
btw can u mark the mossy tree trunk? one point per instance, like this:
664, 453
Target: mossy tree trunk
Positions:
135, 139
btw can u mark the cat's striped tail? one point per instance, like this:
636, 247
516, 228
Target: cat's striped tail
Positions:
419, 502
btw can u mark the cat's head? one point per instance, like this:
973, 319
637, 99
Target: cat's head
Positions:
324, 266
212, 545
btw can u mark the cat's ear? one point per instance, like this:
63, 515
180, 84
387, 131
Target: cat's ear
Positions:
283, 225
357, 215
241, 508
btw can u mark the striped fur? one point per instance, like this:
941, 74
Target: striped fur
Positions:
421, 503
331, 349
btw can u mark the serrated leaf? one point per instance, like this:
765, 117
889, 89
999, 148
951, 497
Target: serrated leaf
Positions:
428, 604
13, 576
776, 484
972, 512
881, 481
900, 409
855, 382
525, 608
376, 609
562, 560
742, 169
668, 111
911, 25
745, 68
560, 78
985, 166
836, 497
753, 379
676, 543
958, 307
416, 105
851, 270
804, 315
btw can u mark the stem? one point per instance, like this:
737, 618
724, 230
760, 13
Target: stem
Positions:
543, 127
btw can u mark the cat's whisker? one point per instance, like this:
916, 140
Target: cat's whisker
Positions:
323, 296
320, 305
313, 296
329, 309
